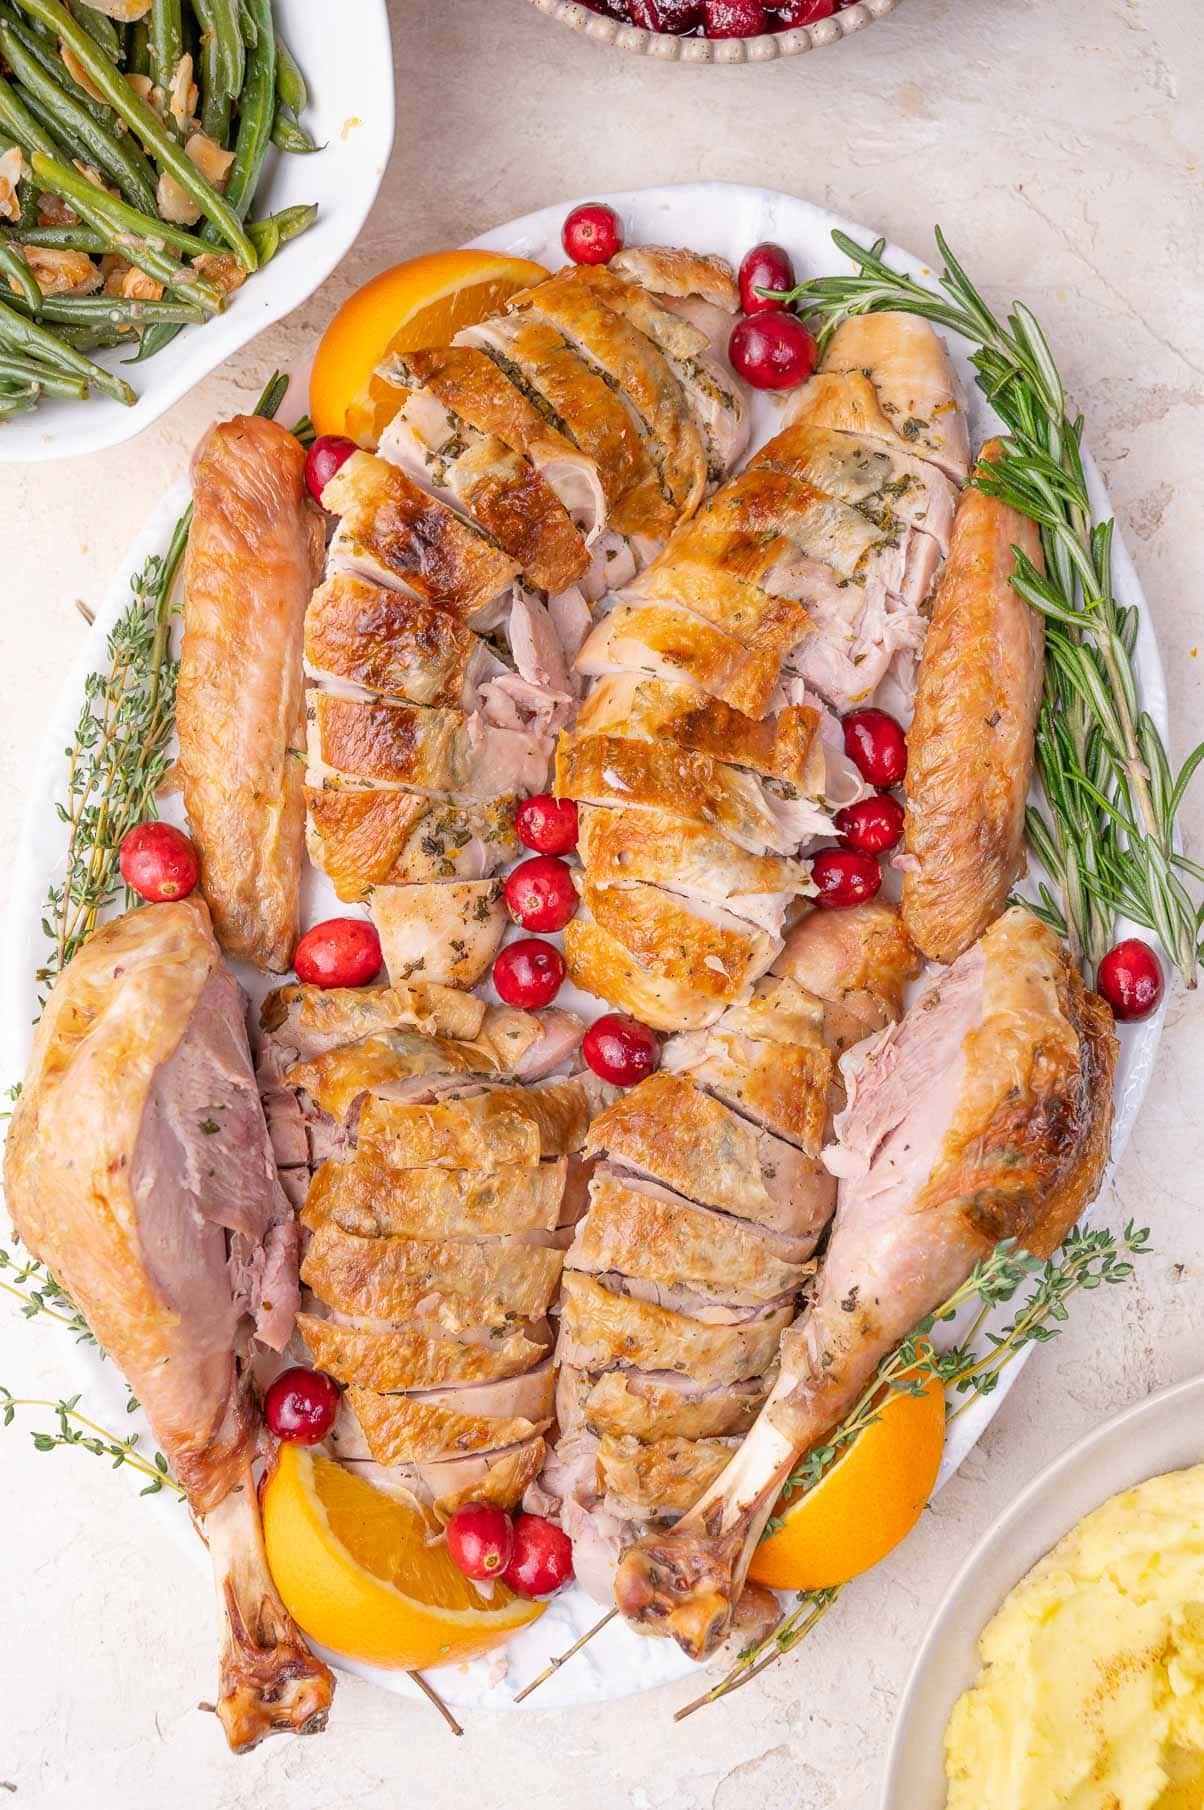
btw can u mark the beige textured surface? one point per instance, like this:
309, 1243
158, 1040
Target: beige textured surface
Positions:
1060, 146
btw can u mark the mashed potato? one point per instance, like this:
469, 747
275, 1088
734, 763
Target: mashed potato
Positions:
1091, 1693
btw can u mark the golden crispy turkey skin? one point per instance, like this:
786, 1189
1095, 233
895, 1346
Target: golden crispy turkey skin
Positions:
970, 745
254, 556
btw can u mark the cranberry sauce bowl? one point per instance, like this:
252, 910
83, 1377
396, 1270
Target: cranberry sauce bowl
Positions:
716, 31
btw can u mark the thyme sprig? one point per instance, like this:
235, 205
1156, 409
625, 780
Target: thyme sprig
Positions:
75, 1429
39, 1294
1090, 1257
1108, 835
118, 756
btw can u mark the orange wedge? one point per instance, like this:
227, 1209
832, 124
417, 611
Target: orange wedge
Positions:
424, 302
358, 1573
862, 1507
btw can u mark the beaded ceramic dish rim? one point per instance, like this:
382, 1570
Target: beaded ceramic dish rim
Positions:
765, 48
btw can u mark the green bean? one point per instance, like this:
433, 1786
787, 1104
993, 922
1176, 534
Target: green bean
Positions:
135, 243
256, 109
224, 216
64, 116
100, 29
216, 108
13, 266
137, 60
52, 65
287, 135
276, 230
219, 22
54, 383
26, 336
290, 82
121, 219
93, 310
58, 238
93, 339
154, 338
16, 118
166, 42
18, 405
247, 25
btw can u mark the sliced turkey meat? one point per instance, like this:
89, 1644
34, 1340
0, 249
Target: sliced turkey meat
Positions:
390, 1358
655, 1404
447, 932
916, 398
599, 1329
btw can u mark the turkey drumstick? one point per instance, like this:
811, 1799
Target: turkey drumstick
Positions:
138, 1170
984, 1114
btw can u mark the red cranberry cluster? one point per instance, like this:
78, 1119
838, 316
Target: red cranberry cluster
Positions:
717, 18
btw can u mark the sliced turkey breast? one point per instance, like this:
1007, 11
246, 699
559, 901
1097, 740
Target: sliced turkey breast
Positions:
906, 364
452, 1282
856, 962
408, 1429
640, 1228
413, 1357
662, 849
685, 940
780, 1084
882, 483
600, 1328
377, 1200
303, 1021
580, 404
446, 752
389, 641
446, 932
652, 1405
662, 1476
626, 774
385, 837
785, 746
669, 1129
600, 964
671, 642
474, 388
392, 532
488, 1131
570, 303
672, 270
497, 489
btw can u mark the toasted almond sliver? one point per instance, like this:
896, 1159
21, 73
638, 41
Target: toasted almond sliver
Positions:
12, 168
222, 268
61, 272
209, 158
183, 92
78, 73
175, 203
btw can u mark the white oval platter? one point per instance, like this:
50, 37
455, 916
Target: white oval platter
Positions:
348, 62
710, 216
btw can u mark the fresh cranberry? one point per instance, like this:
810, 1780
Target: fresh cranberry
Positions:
772, 350
610, 9
876, 745
300, 1405
676, 17
872, 825
547, 824
1130, 979
734, 18
803, 12
542, 1559
158, 862
592, 233
342, 952
480, 1539
328, 454
766, 266
621, 1049
540, 894
845, 877
528, 973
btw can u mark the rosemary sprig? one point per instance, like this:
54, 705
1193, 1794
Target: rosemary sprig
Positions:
1090, 1258
1108, 837
75, 1429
